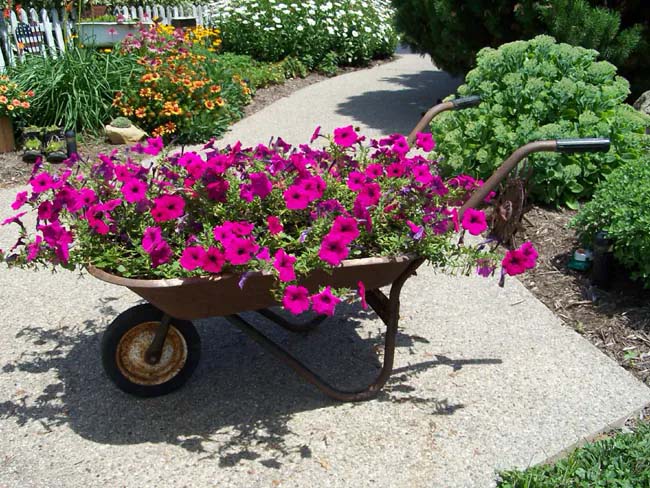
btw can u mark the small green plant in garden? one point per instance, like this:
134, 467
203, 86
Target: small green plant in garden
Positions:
540, 89
294, 68
329, 64
622, 461
355, 30
121, 122
75, 90
621, 207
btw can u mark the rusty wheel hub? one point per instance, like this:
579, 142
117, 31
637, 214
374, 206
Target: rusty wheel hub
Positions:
131, 355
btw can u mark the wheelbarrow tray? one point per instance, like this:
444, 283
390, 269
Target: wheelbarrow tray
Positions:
222, 295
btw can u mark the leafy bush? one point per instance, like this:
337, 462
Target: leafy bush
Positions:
620, 461
621, 207
540, 89
453, 31
76, 89
176, 97
355, 31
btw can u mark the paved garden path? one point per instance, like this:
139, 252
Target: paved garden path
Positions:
486, 378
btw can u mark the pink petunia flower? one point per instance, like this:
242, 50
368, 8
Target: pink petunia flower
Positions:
361, 288
21, 199
315, 135
400, 145
264, 254
369, 194
346, 228
425, 141
154, 146
333, 249
356, 180
47, 211
345, 136
324, 302
239, 251
150, 237
474, 221
34, 248
422, 174
484, 267
14, 220
530, 253
395, 170
283, 264
42, 182
134, 190
161, 253
167, 207
296, 299
514, 262
217, 190
214, 260
374, 171
274, 225
88, 196
260, 184
192, 257
95, 216
295, 198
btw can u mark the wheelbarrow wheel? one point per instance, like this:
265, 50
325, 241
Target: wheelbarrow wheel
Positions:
124, 348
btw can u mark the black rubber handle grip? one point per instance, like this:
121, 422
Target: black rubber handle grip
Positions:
466, 102
583, 145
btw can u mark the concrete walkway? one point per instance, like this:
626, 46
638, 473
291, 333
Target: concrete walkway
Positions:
486, 378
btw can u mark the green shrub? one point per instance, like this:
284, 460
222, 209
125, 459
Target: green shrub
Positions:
621, 207
355, 30
622, 461
256, 74
534, 90
76, 89
453, 31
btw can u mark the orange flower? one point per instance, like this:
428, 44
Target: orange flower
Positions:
140, 112
3, 99
158, 97
25, 104
215, 89
127, 111
145, 92
209, 104
220, 102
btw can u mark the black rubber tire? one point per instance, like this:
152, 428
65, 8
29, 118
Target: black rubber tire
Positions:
132, 318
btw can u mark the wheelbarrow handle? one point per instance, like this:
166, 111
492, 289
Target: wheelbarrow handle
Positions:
561, 145
456, 104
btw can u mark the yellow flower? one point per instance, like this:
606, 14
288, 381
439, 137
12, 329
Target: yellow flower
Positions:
220, 102
209, 104
10, 107
140, 112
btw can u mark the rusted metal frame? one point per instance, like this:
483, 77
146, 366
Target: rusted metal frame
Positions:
291, 326
388, 312
379, 303
154, 351
456, 104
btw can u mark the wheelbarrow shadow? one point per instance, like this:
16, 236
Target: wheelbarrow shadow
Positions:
240, 401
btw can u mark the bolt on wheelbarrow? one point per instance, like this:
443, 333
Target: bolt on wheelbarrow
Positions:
153, 348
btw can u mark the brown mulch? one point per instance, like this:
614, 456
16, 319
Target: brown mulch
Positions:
617, 320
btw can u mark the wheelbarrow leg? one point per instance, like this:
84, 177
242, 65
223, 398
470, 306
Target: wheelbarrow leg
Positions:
291, 326
388, 310
154, 351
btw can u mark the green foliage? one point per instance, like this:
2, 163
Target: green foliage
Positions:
121, 122
328, 65
542, 90
355, 30
621, 206
453, 31
256, 74
294, 68
622, 461
76, 90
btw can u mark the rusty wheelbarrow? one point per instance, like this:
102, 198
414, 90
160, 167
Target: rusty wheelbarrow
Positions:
152, 349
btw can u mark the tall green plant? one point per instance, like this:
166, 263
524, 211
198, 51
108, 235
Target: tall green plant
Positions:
540, 89
76, 89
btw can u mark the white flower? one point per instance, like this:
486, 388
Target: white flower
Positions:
355, 33
311, 21
367, 29
300, 28
277, 20
330, 30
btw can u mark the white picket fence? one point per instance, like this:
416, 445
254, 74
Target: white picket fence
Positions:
50, 32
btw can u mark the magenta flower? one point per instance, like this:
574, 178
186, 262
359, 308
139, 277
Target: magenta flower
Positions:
345, 136
34, 248
150, 237
315, 135
264, 254
417, 231
356, 180
154, 146
484, 267
400, 145
374, 171
14, 220
346, 228
217, 190
395, 170
283, 264
134, 190
57, 237
47, 211
192, 257
42, 182
474, 221
296, 299
425, 141
422, 174
361, 288
95, 216
160, 254
223, 233
239, 251
312, 188
530, 253
324, 302
362, 214
21, 199
295, 198
88, 196
333, 249
274, 225
514, 262
260, 184
167, 207
214, 260
241, 228
369, 194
